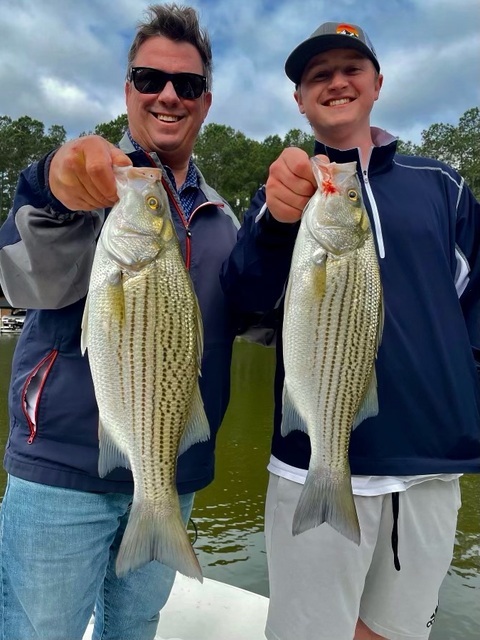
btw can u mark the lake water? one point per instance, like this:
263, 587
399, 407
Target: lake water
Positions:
228, 514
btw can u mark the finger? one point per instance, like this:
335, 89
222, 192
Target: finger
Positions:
99, 181
295, 172
81, 173
80, 193
96, 174
119, 158
297, 162
301, 187
287, 195
285, 205
283, 211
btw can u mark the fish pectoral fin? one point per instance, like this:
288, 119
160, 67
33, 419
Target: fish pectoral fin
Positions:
319, 256
291, 419
197, 429
110, 456
369, 406
116, 296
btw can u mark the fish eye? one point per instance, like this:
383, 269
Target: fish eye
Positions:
352, 195
152, 202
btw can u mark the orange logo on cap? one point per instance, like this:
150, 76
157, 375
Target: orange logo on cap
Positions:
347, 30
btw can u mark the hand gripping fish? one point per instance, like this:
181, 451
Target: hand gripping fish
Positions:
143, 331
332, 330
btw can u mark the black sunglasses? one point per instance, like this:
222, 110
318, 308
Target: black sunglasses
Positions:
189, 86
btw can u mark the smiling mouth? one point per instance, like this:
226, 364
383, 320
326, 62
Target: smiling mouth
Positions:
163, 117
339, 102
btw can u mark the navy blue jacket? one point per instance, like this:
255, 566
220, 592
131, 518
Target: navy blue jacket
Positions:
427, 228
46, 254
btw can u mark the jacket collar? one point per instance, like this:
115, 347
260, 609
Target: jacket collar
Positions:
381, 158
141, 158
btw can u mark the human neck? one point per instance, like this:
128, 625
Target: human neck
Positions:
361, 140
178, 166
179, 173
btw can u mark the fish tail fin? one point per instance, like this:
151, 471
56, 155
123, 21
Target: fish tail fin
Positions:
149, 536
327, 498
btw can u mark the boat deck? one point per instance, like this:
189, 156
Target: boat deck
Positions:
210, 611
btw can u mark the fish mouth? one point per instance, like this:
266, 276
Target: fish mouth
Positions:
337, 102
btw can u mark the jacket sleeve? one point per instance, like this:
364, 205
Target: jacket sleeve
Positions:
255, 275
46, 250
468, 243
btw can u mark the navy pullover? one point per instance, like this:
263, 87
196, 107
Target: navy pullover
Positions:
426, 223
46, 253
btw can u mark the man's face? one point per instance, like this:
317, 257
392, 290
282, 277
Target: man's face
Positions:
337, 93
164, 122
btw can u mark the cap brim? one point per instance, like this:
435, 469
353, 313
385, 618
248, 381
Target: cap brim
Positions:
301, 56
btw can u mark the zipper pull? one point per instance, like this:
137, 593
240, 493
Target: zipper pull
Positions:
365, 176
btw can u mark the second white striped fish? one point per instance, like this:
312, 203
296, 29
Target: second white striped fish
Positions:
332, 329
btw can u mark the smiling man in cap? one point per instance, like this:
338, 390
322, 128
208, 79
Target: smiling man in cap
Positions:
330, 35
406, 460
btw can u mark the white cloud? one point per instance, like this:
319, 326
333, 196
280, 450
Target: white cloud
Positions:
64, 62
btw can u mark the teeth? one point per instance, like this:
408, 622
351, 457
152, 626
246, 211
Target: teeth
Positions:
335, 103
165, 118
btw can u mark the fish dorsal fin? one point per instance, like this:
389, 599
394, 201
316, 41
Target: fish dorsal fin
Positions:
197, 429
110, 457
291, 418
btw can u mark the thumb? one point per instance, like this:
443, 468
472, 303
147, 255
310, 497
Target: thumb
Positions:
119, 158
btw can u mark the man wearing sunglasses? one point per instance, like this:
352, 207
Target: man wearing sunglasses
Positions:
62, 524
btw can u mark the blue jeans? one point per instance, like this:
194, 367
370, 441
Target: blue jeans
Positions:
58, 549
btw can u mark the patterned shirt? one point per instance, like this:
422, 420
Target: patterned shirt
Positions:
188, 191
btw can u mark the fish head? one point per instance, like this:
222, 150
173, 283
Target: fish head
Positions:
140, 223
336, 215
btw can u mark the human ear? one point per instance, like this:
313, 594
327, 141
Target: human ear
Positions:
297, 94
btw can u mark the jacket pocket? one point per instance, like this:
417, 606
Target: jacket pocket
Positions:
32, 391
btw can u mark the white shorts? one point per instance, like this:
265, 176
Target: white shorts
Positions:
321, 583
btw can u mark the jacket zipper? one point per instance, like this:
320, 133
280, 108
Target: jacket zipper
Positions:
185, 222
181, 214
375, 214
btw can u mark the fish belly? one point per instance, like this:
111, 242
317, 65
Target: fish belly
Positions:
145, 361
329, 352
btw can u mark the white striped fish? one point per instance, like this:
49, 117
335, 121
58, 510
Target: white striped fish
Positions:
332, 329
143, 331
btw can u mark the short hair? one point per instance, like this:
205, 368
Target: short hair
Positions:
176, 22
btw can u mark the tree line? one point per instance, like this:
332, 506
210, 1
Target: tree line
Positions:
232, 163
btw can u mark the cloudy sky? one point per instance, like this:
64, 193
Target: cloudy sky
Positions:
63, 62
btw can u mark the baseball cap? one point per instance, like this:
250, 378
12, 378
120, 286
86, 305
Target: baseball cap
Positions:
329, 35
